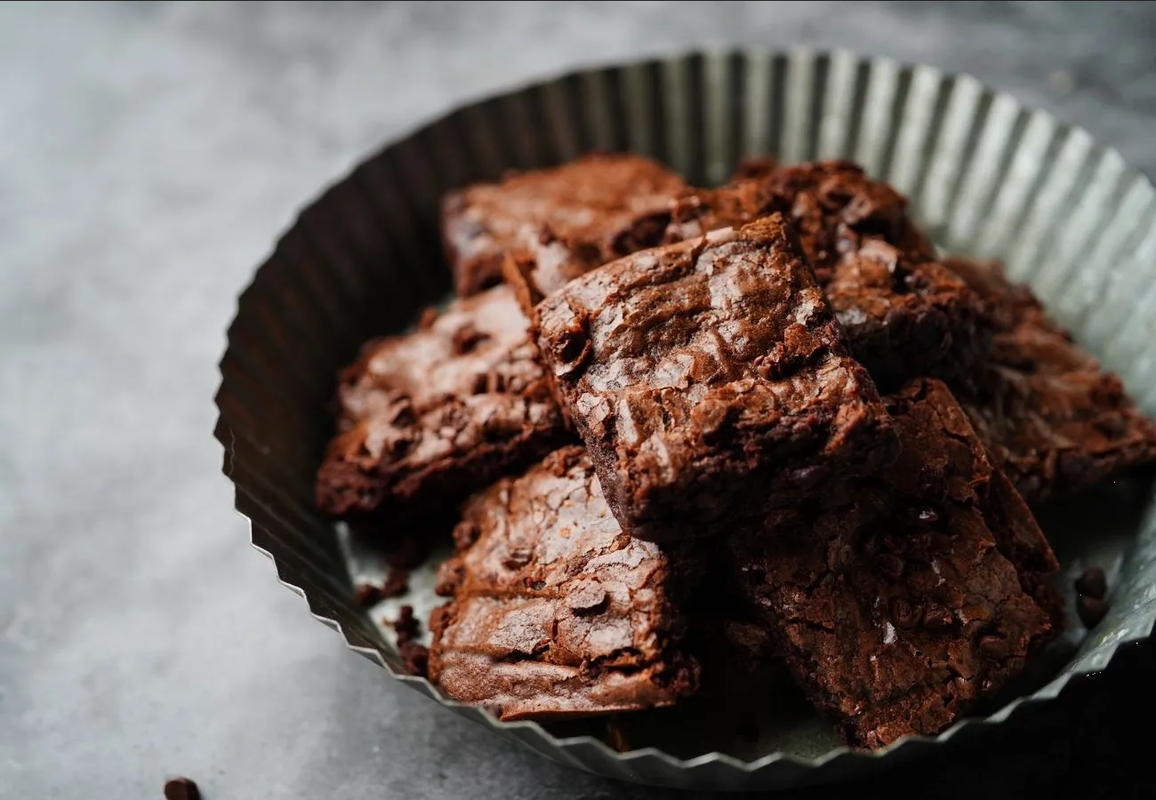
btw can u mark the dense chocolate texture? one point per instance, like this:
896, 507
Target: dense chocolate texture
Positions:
555, 224
1051, 417
709, 380
904, 314
432, 415
835, 207
556, 612
906, 319
900, 599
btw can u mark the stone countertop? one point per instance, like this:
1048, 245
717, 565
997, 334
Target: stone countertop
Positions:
149, 155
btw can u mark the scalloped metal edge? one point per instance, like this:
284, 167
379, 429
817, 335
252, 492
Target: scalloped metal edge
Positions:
618, 764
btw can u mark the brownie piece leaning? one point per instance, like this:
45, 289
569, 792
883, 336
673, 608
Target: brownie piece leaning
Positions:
430, 416
709, 380
900, 599
1050, 415
905, 315
556, 611
555, 223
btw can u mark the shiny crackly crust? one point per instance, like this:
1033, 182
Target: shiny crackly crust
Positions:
709, 379
556, 611
901, 599
1050, 415
429, 416
904, 314
551, 225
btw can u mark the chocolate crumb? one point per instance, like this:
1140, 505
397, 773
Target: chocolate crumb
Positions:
1093, 583
396, 584
1091, 610
407, 626
181, 789
368, 595
616, 735
415, 657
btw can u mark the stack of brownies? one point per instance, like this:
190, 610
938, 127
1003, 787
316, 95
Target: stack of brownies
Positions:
775, 387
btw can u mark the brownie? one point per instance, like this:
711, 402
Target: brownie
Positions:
834, 207
556, 611
555, 223
428, 417
901, 599
905, 315
709, 379
1052, 418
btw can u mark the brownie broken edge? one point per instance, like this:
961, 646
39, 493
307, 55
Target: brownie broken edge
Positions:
709, 380
556, 611
901, 599
430, 416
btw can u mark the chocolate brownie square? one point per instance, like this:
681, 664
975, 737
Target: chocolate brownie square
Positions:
556, 611
709, 380
902, 598
555, 223
429, 416
904, 314
834, 207
1052, 418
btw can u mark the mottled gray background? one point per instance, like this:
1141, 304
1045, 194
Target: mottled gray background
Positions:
149, 154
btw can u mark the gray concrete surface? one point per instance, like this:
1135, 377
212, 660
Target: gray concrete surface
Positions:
149, 153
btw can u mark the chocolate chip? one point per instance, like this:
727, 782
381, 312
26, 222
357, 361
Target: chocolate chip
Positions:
368, 595
936, 617
1091, 610
994, 646
181, 789
1093, 583
588, 597
890, 565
